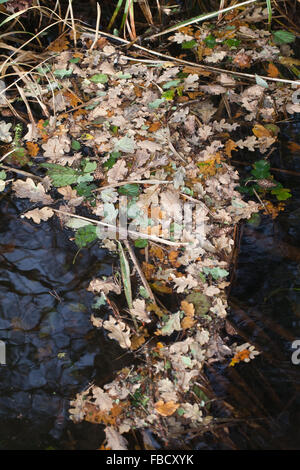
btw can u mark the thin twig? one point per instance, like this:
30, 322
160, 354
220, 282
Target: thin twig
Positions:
139, 270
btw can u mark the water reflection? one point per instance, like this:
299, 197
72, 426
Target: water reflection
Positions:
52, 349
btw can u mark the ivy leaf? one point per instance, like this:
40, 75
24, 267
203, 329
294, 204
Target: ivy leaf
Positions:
85, 235
283, 37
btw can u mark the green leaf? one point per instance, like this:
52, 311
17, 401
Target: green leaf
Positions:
283, 37
129, 189
232, 42
141, 243
85, 189
85, 235
74, 60
156, 103
261, 82
88, 166
261, 169
169, 94
62, 73
282, 194
172, 83
61, 175
2, 175
112, 160
144, 293
99, 78
216, 273
210, 41
75, 145
189, 44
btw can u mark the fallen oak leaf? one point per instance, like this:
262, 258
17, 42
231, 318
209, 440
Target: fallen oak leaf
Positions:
118, 331
166, 409
39, 214
28, 189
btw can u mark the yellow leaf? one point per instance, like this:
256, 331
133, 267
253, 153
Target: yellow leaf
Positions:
187, 322
188, 309
33, 149
229, 147
166, 409
260, 131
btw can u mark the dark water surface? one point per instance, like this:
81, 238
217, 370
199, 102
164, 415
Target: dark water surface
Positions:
52, 349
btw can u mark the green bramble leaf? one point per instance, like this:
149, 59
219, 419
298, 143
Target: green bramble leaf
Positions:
85, 235
129, 189
61, 175
283, 37
75, 145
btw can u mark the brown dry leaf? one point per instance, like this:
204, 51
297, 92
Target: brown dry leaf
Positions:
28, 189
39, 214
67, 192
73, 99
273, 70
154, 126
242, 60
137, 342
166, 409
148, 270
60, 44
33, 149
117, 172
260, 131
229, 147
105, 286
173, 255
139, 311
96, 416
157, 252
